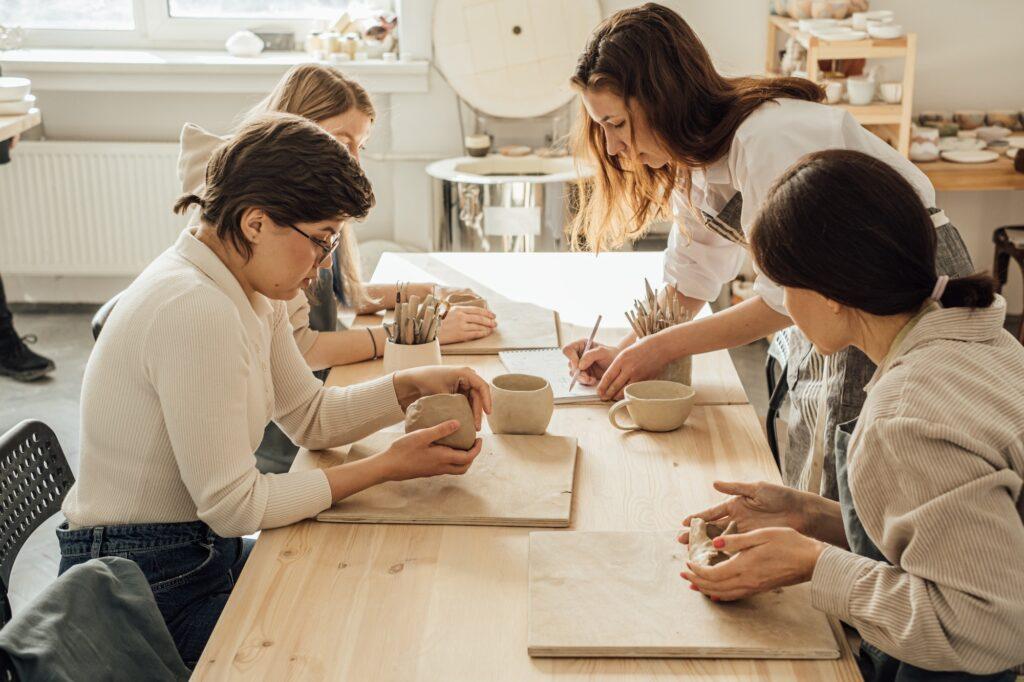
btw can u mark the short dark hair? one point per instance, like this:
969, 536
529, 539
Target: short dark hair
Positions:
285, 165
850, 227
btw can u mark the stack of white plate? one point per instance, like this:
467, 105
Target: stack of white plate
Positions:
14, 96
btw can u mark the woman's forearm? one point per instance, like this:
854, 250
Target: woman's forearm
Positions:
349, 479
345, 347
823, 520
735, 326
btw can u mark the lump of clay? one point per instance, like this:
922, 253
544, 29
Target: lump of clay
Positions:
434, 409
466, 299
702, 533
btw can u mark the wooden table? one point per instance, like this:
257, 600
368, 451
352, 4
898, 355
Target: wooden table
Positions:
325, 601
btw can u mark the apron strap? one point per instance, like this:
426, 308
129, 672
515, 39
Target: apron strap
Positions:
813, 472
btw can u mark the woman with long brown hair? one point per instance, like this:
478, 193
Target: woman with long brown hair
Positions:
922, 552
342, 107
670, 136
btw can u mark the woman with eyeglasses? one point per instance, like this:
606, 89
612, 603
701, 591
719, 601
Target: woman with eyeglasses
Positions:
198, 356
343, 108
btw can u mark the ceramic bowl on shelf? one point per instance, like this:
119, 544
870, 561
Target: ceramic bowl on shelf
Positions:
934, 118
992, 133
807, 25
18, 107
13, 89
780, 8
979, 156
834, 90
960, 144
1008, 118
885, 31
884, 16
799, 9
969, 119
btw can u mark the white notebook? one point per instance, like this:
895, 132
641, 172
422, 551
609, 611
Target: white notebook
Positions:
552, 365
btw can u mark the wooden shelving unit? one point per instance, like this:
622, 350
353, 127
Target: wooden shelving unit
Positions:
890, 121
962, 177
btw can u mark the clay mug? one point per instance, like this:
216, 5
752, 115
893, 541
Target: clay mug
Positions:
432, 410
969, 119
860, 90
467, 299
520, 404
654, 406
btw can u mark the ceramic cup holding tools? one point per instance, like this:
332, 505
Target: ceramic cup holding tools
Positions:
654, 406
398, 356
520, 404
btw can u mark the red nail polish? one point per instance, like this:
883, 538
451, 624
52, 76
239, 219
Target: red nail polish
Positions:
714, 599
718, 543
694, 587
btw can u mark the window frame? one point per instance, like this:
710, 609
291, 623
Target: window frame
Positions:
155, 28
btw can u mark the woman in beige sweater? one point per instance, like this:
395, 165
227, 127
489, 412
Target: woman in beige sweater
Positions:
924, 552
198, 356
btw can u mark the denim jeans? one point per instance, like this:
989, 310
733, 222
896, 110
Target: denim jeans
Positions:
190, 569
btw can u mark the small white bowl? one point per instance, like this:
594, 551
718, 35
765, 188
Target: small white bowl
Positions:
22, 106
885, 31
13, 89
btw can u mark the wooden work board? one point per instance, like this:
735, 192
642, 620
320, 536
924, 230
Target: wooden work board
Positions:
619, 594
514, 481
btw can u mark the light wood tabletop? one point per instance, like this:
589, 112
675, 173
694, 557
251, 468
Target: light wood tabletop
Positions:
19, 123
327, 601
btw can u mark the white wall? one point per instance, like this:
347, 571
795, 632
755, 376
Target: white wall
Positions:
970, 56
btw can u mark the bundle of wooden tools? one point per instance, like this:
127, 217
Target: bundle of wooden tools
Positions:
415, 321
660, 311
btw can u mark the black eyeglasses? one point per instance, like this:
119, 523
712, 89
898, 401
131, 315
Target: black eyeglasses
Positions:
327, 247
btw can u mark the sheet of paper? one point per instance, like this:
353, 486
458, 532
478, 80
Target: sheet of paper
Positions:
552, 365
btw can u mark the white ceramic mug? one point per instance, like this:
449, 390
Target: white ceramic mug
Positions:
892, 93
860, 90
654, 406
399, 356
834, 92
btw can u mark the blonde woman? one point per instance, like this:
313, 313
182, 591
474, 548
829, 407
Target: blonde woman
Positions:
198, 356
343, 108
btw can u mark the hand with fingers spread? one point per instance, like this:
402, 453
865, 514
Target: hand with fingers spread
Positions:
413, 384
753, 506
466, 323
761, 560
644, 359
591, 364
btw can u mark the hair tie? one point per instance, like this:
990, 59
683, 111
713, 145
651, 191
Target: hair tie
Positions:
940, 287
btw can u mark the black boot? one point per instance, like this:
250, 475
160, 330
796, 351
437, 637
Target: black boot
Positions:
17, 361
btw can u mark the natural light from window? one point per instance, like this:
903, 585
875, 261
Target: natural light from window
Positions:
100, 15
256, 9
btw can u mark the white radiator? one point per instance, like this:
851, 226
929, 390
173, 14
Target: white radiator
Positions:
87, 208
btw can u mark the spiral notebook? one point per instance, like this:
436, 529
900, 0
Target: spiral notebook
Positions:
550, 364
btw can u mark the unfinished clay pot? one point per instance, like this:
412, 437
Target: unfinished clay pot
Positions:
434, 409
520, 404
702, 552
467, 299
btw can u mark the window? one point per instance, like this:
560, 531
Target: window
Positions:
256, 9
101, 15
190, 24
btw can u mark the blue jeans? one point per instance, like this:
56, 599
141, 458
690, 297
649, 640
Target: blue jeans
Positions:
190, 569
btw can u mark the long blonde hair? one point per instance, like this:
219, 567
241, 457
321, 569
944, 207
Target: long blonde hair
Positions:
318, 92
649, 56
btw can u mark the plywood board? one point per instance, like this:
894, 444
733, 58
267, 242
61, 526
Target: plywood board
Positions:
619, 594
514, 481
521, 325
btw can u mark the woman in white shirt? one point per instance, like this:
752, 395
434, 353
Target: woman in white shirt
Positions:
667, 133
342, 107
198, 356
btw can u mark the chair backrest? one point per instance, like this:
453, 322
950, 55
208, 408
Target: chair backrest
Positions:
34, 478
100, 318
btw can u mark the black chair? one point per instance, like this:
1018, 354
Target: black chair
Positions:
100, 318
34, 478
778, 388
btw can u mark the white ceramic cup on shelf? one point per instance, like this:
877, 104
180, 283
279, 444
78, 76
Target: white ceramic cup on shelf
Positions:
861, 91
892, 93
399, 356
834, 91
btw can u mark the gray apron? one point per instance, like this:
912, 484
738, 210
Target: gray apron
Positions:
849, 370
876, 665
277, 451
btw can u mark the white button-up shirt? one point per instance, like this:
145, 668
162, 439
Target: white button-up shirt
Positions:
699, 261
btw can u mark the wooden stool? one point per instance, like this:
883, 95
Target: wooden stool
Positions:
1009, 242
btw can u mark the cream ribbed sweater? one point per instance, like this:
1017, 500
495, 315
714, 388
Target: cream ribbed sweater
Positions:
936, 469
177, 392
